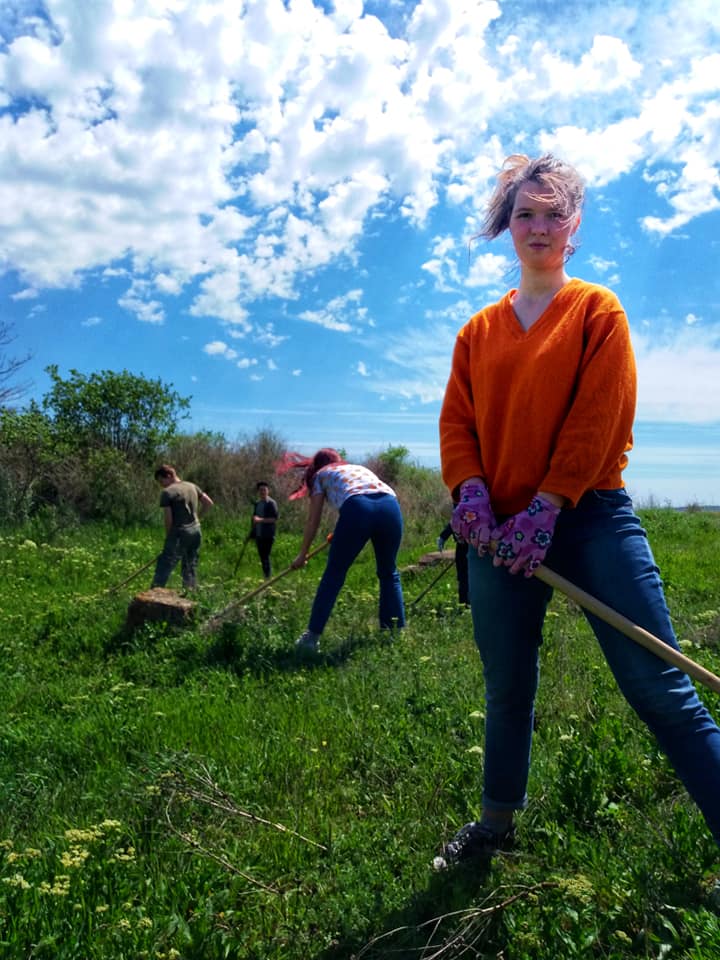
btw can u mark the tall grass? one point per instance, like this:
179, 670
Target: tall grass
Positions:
205, 794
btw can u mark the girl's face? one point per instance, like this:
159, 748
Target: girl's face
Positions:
540, 231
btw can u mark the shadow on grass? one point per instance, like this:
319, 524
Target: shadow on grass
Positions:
243, 647
439, 921
233, 649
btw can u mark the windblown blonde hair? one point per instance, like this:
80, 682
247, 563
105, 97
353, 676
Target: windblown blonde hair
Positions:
549, 173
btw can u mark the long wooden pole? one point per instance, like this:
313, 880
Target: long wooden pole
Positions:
279, 576
632, 630
132, 576
246, 541
428, 588
217, 618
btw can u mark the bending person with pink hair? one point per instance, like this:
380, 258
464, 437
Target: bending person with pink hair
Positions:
368, 509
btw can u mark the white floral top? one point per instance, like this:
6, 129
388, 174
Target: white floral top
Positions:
339, 481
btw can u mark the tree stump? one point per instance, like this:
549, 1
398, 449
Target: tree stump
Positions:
435, 557
429, 560
160, 604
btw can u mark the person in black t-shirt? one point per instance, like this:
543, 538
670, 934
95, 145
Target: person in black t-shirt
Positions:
461, 562
264, 519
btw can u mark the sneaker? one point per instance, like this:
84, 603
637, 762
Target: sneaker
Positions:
308, 642
713, 895
474, 841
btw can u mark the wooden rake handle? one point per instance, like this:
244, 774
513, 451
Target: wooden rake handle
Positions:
428, 588
283, 573
131, 577
632, 630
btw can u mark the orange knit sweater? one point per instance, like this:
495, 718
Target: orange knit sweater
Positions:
550, 408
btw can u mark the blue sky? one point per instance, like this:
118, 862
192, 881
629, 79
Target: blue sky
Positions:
270, 204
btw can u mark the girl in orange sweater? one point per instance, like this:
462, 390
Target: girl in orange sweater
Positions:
535, 429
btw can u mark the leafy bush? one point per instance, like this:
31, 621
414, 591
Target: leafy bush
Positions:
229, 472
423, 496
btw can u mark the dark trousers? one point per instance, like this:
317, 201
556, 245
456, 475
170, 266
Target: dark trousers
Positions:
181, 543
264, 546
461, 571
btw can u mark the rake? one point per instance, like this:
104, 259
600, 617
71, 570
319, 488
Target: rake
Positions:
428, 588
216, 618
283, 573
131, 577
632, 630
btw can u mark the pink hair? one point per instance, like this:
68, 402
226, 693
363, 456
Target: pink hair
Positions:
310, 465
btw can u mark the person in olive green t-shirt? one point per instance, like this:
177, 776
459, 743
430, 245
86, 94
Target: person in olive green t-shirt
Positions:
183, 503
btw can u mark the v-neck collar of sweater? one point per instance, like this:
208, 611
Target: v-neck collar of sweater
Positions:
513, 320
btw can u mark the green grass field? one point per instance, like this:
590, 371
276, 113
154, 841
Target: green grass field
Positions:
204, 794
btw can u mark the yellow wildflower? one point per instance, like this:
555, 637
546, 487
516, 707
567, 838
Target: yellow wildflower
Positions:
75, 835
74, 859
60, 886
578, 887
17, 880
124, 855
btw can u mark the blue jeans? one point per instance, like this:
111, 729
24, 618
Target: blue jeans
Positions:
375, 517
180, 543
602, 548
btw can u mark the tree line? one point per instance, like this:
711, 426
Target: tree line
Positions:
88, 449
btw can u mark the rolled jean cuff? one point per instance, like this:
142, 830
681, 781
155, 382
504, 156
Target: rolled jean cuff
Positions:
506, 806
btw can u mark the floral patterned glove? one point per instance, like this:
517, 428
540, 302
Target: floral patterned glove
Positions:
472, 519
524, 539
